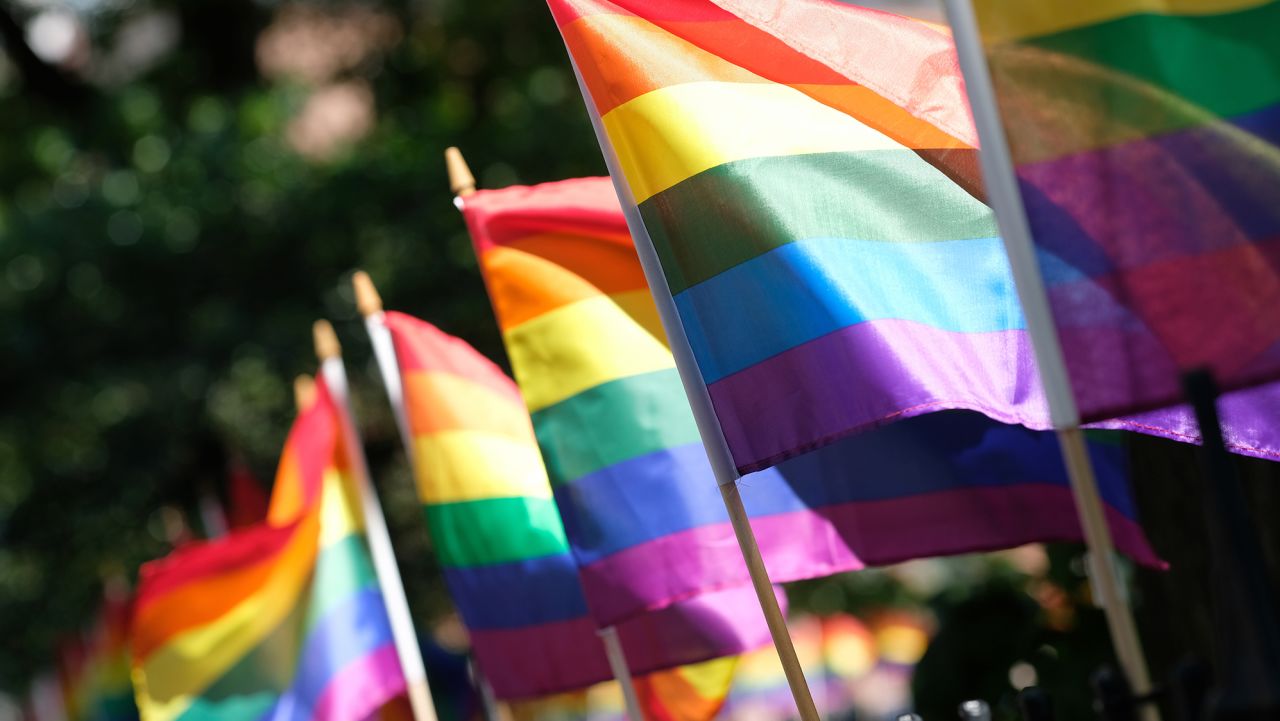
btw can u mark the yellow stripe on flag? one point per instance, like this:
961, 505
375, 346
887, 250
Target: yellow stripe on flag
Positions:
668, 135
339, 508
440, 401
580, 346
457, 466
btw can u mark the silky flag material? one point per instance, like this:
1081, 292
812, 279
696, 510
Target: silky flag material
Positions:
641, 508
1146, 142
280, 621
498, 534
807, 174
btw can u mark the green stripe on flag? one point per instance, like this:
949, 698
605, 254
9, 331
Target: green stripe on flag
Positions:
342, 570
737, 211
495, 530
1226, 64
614, 422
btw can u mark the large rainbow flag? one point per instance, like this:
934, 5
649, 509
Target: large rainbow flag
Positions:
498, 535
1146, 140
641, 507
806, 173
279, 621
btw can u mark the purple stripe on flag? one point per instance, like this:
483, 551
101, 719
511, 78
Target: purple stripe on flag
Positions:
1248, 421
681, 565
1128, 367
718, 623
543, 659
850, 536
362, 687
869, 374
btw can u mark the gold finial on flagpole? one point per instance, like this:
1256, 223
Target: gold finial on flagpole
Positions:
461, 181
326, 341
368, 302
304, 392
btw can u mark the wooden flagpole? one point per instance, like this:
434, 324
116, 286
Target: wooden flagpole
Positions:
713, 441
1006, 200
329, 352
369, 303
463, 184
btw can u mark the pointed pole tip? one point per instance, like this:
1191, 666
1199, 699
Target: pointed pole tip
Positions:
368, 302
304, 391
461, 181
326, 341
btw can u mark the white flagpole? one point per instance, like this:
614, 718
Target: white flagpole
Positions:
329, 352
713, 441
369, 304
1006, 200
621, 671
463, 184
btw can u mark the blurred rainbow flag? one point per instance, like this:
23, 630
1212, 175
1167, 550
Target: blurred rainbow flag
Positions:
1146, 143
279, 621
498, 535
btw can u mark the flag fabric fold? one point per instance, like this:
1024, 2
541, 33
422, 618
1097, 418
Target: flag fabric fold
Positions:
279, 621
806, 172
641, 508
1146, 144
498, 534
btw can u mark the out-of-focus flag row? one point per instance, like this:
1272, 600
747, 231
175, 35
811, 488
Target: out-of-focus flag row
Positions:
283, 620
853, 665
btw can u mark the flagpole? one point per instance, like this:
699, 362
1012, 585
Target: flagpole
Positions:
621, 671
369, 303
722, 465
329, 352
463, 184
1006, 200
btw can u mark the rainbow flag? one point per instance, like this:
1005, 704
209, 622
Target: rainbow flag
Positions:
103, 690
695, 692
498, 535
641, 508
279, 621
807, 175
1146, 140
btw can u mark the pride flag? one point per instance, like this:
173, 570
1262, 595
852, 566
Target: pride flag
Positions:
100, 688
498, 535
641, 508
1146, 140
282, 621
806, 172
